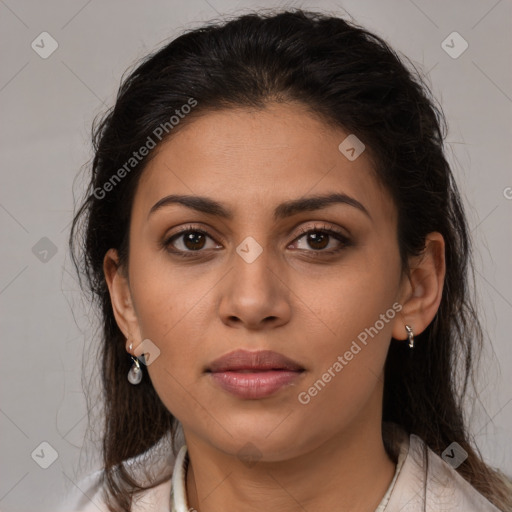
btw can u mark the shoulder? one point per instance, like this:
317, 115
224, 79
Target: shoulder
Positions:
426, 477
87, 496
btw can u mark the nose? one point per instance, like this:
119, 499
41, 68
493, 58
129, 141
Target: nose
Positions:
255, 295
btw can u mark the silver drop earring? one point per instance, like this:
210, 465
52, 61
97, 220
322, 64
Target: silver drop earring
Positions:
410, 335
135, 373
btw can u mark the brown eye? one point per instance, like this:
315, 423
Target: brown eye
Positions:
318, 240
193, 240
188, 240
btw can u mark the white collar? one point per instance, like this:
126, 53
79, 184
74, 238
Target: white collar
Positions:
443, 489
179, 484
407, 491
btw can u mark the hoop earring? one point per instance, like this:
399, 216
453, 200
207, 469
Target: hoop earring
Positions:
410, 335
135, 373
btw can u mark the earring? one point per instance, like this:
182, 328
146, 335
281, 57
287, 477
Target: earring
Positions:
410, 335
135, 373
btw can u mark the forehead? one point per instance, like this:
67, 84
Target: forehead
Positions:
250, 159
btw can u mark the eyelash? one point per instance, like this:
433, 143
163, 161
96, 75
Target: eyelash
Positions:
324, 230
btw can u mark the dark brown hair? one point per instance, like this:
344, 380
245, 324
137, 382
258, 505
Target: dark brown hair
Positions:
352, 79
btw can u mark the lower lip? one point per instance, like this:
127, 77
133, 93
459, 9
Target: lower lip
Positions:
254, 385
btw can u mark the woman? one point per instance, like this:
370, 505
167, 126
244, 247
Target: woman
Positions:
281, 258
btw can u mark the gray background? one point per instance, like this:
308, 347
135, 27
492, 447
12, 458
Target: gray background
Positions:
47, 108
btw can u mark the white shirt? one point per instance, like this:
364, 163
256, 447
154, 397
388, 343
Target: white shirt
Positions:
445, 489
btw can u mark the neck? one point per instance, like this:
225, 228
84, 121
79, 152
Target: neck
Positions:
351, 471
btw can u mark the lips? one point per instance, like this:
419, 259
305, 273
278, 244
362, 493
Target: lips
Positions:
254, 375
243, 361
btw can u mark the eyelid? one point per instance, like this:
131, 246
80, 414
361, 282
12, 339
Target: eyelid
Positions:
191, 227
302, 231
325, 226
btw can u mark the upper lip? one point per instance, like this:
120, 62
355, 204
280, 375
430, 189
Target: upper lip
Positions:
260, 360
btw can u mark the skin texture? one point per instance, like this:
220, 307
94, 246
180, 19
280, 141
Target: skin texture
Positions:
328, 453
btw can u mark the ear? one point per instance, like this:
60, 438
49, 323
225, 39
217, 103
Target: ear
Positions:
422, 289
120, 296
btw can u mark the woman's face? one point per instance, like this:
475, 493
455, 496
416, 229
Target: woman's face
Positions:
258, 281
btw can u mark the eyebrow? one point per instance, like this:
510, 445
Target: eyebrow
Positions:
282, 211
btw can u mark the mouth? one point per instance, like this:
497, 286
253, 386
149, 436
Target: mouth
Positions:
254, 375
254, 370
250, 362
254, 384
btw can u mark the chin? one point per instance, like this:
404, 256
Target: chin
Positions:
259, 441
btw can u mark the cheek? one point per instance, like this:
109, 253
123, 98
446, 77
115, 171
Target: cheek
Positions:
167, 318
341, 306
163, 291
347, 370
355, 317
166, 302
